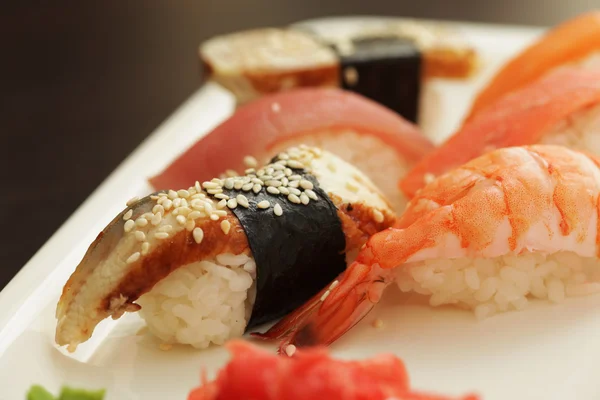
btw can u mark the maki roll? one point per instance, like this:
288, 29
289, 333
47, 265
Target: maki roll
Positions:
209, 262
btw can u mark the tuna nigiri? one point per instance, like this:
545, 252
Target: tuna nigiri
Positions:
561, 108
513, 224
576, 41
358, 130
310, 374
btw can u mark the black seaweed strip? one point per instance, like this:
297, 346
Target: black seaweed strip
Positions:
297, 254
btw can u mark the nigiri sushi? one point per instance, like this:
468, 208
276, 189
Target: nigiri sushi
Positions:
310, 374
358, 130
514, 224
561, 108
574, 42
209, 262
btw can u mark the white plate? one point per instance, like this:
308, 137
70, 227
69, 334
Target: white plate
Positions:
546, 352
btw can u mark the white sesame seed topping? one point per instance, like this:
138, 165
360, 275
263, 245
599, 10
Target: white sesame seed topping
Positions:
140, 236
263, 204
183, 203
306, 184
145, 248
325, 295
278, 167
266, 177
352, 187
295, 164
250, 171
129, 225
133, 258
273, 182
277, 210
293, 198
270, 170
242, 200
257, 181
221, 196
378, 216
232, 203
167, 204
295, 191
229, 183
256, 188
311, 194
172, 194
331, 167
154, 197
250, 161
247, 186
273, 190
214, 217
161, 235
220, 213
141, 222
158, 209
284, 190
165, 228
208, 207
294, 184
161, 200
181, 219
128, 214
156, 219
215, 191
285, 181
334, 284
290, 349
283, 156
210, 185
231, 172
225, 226
221, 204
190, 225
198, 235
304, 198
197, 186
184, 210
183, 193
194, 215
132, 201
177, 202
237, 185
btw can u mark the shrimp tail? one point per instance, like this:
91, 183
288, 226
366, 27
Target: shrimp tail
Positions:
332, 312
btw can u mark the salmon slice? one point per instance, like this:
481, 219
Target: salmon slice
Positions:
524, 117
356, 129
570, 42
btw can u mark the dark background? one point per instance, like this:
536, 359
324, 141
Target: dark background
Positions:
83, 83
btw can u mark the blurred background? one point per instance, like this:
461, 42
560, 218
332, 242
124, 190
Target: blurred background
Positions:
83, 83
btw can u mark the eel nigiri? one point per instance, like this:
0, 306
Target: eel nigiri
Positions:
206, 263
574, 42
561, 108
358, 130
310, 374
513, 224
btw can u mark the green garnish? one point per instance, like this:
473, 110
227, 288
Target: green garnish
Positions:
39, 393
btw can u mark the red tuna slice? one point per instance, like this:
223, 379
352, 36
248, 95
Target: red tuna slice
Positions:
373, 138
519, 118
254, 374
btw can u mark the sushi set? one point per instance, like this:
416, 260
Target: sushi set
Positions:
349, 208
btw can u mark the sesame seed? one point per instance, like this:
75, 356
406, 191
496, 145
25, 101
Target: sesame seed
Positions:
294, 184
277, 210
140, 236
273, 182
325, 295
229, 183
221, 204
158, 209
293, 198
266, 178
141, 222
210, 185
183, 193
217, 181
221, 196
264, 204
334, 284
352, 187
167, 204
331, 167
145, 248
295, 164
190, 225
285, 181
197, 186
165, 228
304, 198
279, 176
156, 219
198, 235
284, 190
311, 194
270, 170
232, 203
273, 190
194, 215
247, 186
295, 177
257, 181
129, 225
278, 167
290, 349
260, 172
214, 217
231, 173
220, 213
256, 188
132, 201
281, 162
153, 197
225, 226
184, 210
242, 200
250, 171
134, 257
250, 161
378, 323
208, 207
238, 184
378, 216
197, 204
288, 172
295, 191
306, 184
161, 235
172, 194
128, 214
161, 200
181, 219
177, 202
215, 191
183, 203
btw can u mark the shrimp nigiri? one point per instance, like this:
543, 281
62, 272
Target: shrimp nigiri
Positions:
513, 224
562, 108
574, 42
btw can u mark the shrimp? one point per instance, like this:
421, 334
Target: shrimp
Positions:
511, 224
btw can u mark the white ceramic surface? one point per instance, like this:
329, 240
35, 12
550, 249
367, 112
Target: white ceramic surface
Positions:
546, 352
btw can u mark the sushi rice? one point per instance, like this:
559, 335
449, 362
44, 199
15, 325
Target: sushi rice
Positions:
492, 285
